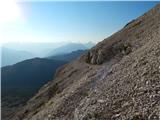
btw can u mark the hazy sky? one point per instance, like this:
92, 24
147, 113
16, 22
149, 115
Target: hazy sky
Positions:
66, 21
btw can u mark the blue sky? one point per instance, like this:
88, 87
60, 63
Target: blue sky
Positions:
71, 21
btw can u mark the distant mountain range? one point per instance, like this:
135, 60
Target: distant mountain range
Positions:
68, 48
68, 56
38, 49
12, 53
11, 56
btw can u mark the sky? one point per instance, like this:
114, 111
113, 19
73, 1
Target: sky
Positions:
52, 21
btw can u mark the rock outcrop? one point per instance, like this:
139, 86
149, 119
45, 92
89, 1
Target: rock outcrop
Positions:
118, 79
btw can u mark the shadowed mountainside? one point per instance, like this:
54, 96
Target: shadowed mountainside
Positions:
22, 80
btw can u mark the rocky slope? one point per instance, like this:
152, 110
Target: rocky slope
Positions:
118, 79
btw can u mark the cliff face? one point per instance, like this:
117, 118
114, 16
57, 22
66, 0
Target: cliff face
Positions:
118, 79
